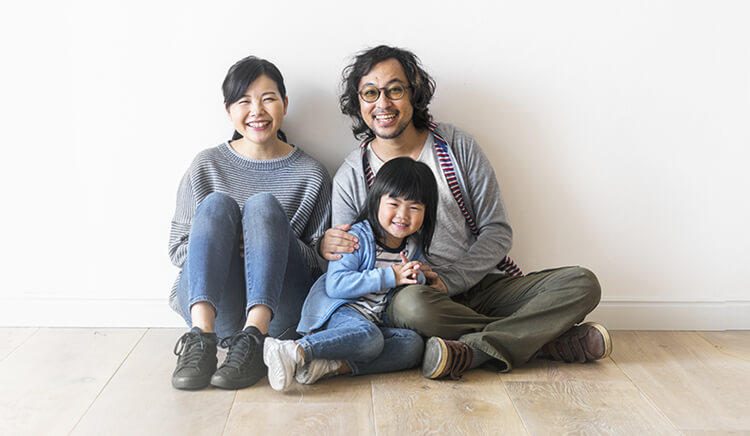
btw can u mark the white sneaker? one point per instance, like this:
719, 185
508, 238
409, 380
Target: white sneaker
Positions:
282, 359
316, 369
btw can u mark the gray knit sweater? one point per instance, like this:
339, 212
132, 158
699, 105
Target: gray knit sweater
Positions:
484, 202
300, 183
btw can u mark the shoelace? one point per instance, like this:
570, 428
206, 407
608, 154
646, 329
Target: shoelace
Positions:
459, 355
190, 348
568, 348
239, 346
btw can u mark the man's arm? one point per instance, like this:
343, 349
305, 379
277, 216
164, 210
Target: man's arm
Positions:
482, 193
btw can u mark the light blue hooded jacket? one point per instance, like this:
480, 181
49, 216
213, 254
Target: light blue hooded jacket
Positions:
349, 278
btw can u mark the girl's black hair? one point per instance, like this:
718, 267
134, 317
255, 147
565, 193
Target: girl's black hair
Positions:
245, 72
403, 177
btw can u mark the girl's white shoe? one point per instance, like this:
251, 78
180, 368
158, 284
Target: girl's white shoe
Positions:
282, 359
316, 369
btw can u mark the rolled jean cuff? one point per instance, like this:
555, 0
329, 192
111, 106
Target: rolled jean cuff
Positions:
352, 367
201, 299
306, 348
261, 302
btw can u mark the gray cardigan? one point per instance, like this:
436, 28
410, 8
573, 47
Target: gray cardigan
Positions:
482, 198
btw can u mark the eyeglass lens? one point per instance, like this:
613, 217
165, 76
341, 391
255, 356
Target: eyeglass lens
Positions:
372, 93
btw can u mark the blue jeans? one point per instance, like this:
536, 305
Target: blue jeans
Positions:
366, 348
273, 272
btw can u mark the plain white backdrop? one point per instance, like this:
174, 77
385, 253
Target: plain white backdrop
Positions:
618, 132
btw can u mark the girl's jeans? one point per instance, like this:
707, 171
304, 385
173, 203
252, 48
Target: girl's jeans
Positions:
365, 347
273, 272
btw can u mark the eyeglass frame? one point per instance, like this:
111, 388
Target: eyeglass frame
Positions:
381, 91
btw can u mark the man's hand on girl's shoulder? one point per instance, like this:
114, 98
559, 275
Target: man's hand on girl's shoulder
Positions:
337, 240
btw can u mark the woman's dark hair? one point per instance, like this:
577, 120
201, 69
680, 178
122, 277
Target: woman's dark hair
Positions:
245, 72
403, 177
423, 87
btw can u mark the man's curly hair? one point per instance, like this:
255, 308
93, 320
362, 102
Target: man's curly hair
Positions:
423, 86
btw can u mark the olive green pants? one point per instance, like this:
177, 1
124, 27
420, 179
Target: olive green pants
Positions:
509, 318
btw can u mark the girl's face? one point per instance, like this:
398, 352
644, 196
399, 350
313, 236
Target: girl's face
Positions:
399, 218
258, 115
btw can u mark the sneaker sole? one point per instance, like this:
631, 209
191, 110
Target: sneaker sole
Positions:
219, 381
188, 384
435, 357
273, 360
607, 338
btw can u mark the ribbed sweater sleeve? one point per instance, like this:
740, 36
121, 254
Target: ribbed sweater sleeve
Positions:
184, 211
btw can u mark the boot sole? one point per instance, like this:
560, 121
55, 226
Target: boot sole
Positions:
607, 338
435, 357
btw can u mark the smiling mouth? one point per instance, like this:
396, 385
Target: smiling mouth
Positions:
385, 118
258, 124
400, 225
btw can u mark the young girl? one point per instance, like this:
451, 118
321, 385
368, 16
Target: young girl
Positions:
346, 307
249, 214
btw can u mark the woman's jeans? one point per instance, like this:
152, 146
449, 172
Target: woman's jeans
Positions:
273, 272
366, 348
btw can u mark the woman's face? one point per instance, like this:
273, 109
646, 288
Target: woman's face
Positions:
258, 115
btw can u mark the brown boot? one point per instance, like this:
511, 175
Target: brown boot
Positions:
444, 358
582, 343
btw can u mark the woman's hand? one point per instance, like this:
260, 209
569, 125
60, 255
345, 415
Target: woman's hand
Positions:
337, 240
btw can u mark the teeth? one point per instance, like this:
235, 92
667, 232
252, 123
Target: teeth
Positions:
385, 117
258, 124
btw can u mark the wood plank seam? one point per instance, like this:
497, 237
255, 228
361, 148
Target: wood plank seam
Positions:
645, 396
720, 349
19, 345
109, 379
515, 406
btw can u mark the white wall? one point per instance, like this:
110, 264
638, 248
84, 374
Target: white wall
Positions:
618, 131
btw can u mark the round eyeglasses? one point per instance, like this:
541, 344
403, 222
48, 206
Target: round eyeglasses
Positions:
371, 93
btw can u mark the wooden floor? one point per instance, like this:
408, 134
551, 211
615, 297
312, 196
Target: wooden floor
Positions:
117, 381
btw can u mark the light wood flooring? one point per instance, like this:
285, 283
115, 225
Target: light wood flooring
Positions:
117, 382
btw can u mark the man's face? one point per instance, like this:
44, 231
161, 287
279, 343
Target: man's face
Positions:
385, 117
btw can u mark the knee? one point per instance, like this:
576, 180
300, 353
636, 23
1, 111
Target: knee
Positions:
413, 348
263, 208
410, 308
585, 282
218, 204
372, 343
219, 212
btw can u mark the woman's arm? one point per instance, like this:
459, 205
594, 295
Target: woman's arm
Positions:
181, 222
319, 200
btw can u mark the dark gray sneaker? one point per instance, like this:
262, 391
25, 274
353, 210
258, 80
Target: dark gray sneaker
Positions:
582, 343
244, 365
197, 359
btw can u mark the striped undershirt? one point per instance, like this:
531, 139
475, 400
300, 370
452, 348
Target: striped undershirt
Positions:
372, 305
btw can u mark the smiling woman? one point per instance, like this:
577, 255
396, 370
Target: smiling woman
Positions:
249, 214
256, 104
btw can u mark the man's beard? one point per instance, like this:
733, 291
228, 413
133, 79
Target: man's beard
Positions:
393, 135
